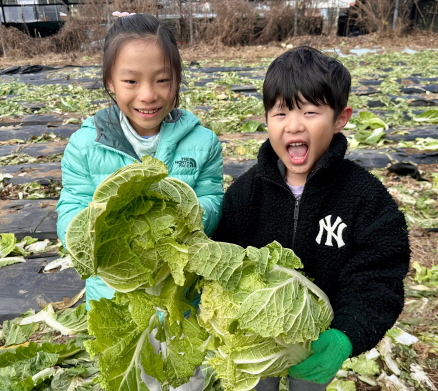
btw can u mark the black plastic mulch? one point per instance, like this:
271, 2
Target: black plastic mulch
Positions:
23, 285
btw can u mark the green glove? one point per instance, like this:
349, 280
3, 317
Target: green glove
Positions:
330, 350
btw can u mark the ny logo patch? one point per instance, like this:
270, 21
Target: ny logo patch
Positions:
325, 226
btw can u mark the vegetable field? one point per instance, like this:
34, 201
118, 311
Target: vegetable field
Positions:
393, 133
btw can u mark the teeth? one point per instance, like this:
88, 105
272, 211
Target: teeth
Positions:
147, 111
296, 144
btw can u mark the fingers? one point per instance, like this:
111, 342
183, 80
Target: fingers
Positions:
314, 373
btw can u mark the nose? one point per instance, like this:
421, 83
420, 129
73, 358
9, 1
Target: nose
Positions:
295, 123
147, 93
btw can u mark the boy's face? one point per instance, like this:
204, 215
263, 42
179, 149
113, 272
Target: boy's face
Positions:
302, 135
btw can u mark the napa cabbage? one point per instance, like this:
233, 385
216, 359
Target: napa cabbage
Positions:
136, 218
260, 312
142, 234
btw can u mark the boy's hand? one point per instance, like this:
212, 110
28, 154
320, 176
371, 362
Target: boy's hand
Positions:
330, 350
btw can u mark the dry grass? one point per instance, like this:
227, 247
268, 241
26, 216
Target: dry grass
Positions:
24, 50
251, 33
424, 246
73, 37
16, 44
237, 32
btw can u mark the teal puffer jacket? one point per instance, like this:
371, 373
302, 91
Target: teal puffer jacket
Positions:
191, 152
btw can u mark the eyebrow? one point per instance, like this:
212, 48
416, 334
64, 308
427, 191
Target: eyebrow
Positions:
127, 71
280, 105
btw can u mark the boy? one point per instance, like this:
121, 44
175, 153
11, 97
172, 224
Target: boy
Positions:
338, 218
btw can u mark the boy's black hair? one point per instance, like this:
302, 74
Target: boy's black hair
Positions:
321, 80
147, 27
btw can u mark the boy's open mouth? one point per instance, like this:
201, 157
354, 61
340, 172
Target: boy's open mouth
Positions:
297, 152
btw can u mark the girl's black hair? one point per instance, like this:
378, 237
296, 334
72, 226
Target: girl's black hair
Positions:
320, 79
147, 27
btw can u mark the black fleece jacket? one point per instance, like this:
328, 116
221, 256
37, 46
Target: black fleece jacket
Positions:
346, 228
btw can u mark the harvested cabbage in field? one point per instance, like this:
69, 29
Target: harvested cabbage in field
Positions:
261, 314
142, 234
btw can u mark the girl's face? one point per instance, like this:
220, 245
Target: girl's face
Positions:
142, 85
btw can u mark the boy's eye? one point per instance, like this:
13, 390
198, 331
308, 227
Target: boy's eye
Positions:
130, 81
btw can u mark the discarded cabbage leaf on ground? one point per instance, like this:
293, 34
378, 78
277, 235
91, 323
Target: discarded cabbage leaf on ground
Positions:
142, 234
34, 357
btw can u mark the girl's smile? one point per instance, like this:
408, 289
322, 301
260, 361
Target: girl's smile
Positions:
148, 111
148, 114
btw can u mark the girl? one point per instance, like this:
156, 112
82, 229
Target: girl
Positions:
142, 73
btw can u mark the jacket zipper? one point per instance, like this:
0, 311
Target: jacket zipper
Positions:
296, 209
116, 150
296, 214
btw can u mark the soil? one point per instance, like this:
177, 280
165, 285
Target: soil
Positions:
417, 40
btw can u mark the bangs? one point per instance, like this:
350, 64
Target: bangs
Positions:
172, 61
305, 74
293, 89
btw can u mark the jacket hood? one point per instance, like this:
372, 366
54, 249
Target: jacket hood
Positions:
268, 160
173, 129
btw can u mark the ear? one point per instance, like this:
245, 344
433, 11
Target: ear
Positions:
111, 86
343, 118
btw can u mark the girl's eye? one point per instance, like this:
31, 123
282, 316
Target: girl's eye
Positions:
163, 80
130, 81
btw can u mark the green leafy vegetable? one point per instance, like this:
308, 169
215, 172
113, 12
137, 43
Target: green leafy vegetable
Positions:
133, 221
370, 137
261, 311
424, 275
32, 366
14, 333
12, 251
7, 244
362, 366
69, 322
252, 126
427, 116
134, 236
142, 234
367, 120
340, 385
11, 260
